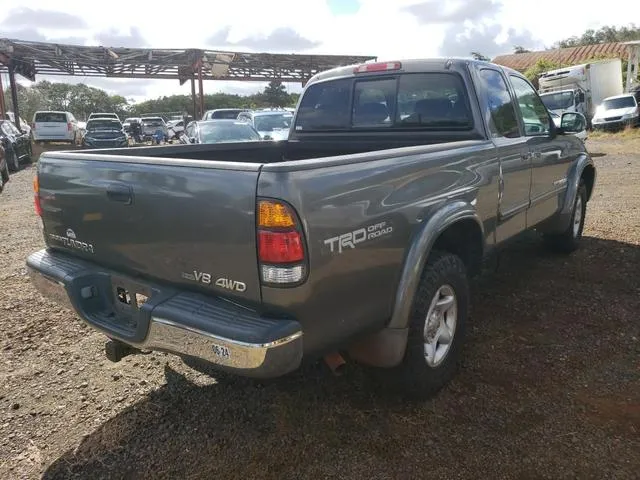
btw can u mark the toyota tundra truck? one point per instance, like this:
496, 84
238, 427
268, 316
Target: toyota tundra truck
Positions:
352, 240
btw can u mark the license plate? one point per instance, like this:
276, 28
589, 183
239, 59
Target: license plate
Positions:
221, 351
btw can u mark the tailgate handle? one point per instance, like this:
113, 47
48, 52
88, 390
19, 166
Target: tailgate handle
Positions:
120, 193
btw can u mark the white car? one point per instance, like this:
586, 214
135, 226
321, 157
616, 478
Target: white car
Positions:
175, 127
114, 116
24, 126
55, 126
617, 112
271, 124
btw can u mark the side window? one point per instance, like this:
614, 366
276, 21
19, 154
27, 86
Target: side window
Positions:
503, 114
374, 103
325, 106
534, 114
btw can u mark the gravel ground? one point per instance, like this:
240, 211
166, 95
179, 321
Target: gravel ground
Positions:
549, 387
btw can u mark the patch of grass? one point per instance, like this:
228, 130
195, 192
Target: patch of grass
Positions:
627, 133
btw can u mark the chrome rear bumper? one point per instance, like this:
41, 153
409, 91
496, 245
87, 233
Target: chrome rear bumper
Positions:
259, 354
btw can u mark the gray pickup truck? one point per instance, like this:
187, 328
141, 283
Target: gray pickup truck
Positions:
355, 238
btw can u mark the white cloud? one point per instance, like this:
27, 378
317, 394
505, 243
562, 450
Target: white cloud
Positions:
387, 29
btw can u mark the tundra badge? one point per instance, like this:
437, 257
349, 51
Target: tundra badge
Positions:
71, 241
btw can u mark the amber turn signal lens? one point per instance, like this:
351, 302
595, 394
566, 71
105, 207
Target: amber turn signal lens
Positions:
274, 215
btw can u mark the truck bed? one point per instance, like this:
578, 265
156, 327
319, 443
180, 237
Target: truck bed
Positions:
302, 149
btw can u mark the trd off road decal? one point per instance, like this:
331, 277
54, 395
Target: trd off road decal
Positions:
356, 237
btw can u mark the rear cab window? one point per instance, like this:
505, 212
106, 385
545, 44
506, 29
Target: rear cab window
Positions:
225, 114
432, 100
50, 117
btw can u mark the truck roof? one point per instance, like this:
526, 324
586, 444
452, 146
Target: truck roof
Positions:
623, 95
411, 65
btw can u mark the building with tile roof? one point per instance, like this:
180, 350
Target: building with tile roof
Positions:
564, 56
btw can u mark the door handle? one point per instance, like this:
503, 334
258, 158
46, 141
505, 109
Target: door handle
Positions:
118, 192
526, 157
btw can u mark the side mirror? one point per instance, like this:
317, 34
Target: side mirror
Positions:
572, 122
192, 139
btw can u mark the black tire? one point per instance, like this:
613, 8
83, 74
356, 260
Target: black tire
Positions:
414, 378
12, 159
569, 240
30, 153
4, 176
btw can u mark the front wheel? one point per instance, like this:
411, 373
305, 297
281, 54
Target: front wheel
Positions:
569, 240
436, 330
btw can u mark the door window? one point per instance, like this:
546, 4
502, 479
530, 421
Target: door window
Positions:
504, 122
534, 114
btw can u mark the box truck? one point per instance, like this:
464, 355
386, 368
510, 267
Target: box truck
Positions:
581, 88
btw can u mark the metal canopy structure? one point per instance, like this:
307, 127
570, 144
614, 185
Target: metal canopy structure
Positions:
29, 59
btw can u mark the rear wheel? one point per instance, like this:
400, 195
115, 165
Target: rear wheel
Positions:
12, 159
4, 175
436, 331
30, 153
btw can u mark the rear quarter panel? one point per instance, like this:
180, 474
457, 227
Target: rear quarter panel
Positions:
379, 201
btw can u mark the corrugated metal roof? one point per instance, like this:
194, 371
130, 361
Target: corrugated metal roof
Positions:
571, 56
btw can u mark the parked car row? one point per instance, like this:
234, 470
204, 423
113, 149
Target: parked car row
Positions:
15, 147
236, 125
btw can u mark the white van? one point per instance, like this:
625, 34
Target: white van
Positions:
51, 126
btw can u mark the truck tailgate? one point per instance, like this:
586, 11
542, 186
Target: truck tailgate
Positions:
186, 222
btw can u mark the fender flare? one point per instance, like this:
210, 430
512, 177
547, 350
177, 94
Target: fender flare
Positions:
387, 347
419, 252
573, 181
561, 220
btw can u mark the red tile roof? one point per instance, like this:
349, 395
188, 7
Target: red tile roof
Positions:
565, 56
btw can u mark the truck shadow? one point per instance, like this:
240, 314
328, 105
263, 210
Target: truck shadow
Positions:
535, 326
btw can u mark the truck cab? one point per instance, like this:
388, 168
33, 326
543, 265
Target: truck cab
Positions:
565, 100
581, 88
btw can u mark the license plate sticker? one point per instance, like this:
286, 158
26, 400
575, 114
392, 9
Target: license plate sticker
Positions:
221, 351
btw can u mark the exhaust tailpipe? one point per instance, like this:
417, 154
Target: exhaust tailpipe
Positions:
335, 362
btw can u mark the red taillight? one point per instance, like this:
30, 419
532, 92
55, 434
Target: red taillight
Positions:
281, 250
69, 127
377, 67
280, 247
36, 196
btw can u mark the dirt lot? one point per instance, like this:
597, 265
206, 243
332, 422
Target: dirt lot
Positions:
549, 388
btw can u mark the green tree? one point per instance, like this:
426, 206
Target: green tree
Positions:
606, 34
479, 56
275, 94
520, 49
542, 65
82, 99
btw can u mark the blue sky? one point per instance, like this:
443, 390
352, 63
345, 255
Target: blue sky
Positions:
343, 7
